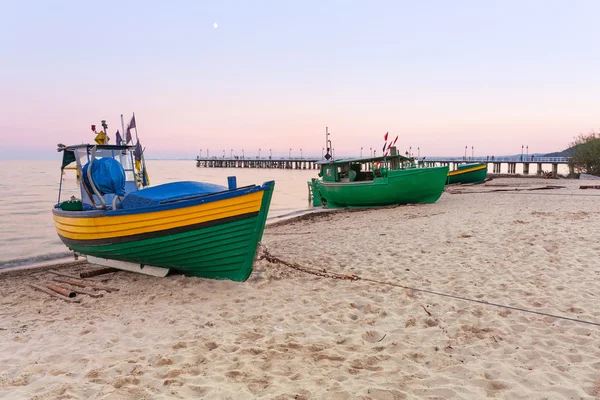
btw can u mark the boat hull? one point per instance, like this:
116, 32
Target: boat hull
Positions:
474, 173
407, 186
211, 238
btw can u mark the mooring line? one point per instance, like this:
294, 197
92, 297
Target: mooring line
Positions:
334, 275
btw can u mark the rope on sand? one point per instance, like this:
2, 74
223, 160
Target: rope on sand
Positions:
265, 255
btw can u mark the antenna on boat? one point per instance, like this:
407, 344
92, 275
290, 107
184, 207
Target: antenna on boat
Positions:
123, 126
328, 144
326, 137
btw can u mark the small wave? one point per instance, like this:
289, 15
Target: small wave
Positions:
33, 260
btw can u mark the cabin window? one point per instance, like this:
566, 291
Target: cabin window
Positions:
330, 173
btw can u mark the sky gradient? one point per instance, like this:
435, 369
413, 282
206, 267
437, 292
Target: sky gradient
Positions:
441, 75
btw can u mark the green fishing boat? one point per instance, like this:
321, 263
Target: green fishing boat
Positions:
375, 181
197, 228
468, 173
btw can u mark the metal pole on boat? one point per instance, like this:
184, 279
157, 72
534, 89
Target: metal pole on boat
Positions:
122, 126
135, 127
60, 185
328, 142
142, 155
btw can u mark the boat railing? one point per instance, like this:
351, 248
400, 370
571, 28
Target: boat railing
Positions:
102, 205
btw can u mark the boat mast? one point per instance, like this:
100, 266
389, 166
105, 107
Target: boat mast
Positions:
123, 128
328, 144
326, 138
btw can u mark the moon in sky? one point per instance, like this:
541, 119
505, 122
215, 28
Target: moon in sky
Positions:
215, 25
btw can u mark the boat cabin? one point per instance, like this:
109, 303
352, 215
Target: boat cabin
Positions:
361, 169
107, 174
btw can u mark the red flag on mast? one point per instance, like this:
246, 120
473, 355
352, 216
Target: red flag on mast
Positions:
385, 136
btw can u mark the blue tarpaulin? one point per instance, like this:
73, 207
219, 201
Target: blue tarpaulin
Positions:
169, 192
108, 176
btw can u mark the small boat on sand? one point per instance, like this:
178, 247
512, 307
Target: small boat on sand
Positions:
376, 182
468, 173
197, 228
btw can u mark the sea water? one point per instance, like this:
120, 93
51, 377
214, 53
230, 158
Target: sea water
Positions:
29, 190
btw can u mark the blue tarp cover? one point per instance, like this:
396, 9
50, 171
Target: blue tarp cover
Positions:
169, 192
108, 176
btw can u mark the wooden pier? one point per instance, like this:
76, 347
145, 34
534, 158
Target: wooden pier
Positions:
506, 165
270, 162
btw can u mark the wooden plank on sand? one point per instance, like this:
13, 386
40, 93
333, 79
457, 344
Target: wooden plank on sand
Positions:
52, 293
97, 272
63, 274
87, 292
86, 284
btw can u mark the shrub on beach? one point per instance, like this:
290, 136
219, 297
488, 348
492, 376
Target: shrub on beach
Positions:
586, 154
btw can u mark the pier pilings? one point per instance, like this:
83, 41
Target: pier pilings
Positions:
257, 163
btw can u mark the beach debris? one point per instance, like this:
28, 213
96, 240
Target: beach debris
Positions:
87, 284
53, 293
373, 336
86, 292
547, 187
96, 272
63, 274
264, 254
86, 274
427, 311
589, 187
61, 290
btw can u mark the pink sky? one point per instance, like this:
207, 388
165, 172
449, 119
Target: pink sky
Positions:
274, 75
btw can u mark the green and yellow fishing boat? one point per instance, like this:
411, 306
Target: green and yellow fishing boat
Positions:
468, 173
199, 229
375, 181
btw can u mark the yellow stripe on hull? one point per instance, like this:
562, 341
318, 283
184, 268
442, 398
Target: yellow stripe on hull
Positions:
104, 227
464, 171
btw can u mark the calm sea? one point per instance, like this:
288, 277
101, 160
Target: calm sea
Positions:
29, 190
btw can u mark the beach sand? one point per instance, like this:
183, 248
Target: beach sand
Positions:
286, 334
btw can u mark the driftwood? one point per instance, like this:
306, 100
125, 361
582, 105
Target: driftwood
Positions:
61, 290
86, 284
53, 293
86, 292
97, 272
549, 187
589, 187
63, 274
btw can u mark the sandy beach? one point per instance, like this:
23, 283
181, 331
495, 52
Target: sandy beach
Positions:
288, 334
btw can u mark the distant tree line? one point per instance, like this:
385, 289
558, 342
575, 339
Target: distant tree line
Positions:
585, 157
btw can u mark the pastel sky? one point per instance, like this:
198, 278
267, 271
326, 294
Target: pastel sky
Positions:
442, 75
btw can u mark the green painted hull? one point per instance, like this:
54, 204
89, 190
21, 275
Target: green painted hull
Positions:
405, 186
468, 176
221, 251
